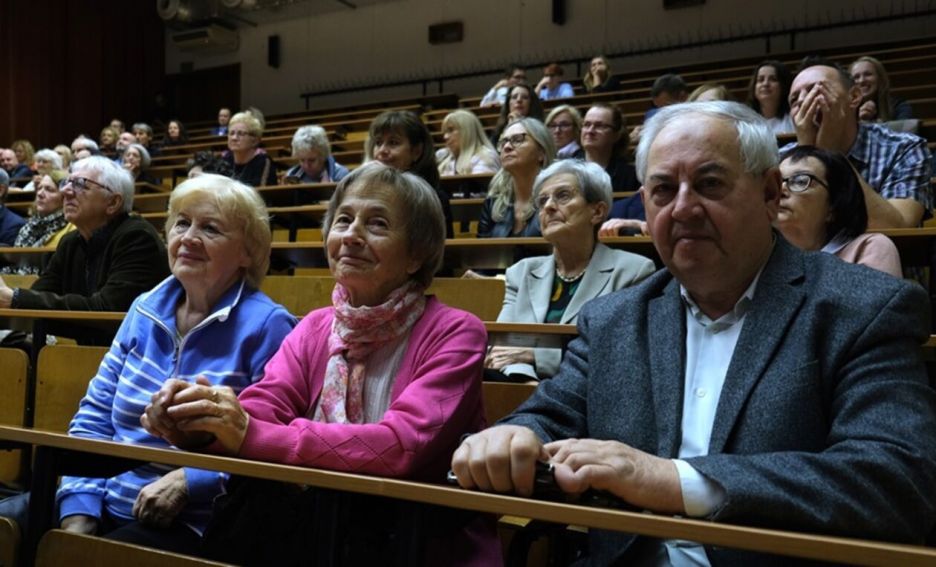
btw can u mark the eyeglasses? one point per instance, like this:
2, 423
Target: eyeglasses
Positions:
80, 184
560, 197
238, 134
514, 141
800, 182
600, 126
559, 125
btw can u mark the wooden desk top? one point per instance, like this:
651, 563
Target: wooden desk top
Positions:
770, 541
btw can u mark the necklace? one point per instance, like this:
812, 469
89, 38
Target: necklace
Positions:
570, 279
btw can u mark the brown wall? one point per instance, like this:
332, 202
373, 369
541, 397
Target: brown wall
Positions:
69, 66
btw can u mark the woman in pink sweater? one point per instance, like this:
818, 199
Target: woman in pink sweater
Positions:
385, 382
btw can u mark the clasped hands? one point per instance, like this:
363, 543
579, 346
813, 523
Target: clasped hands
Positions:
503, 459
193, 415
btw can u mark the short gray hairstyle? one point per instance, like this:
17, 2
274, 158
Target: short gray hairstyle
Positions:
592, 180
757, 142
143, 126
87, 143
311, 138
145, 159
4, 178
239, 205
425, 223
50, 156
111, 175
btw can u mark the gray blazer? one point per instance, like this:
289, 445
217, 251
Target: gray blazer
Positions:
530, 284
825, 422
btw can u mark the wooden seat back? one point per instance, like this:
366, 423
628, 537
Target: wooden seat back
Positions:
502, 398
15, 365
9, 542
301, 294
59, 547
62, 376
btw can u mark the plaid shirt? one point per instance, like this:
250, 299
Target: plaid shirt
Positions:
896, 164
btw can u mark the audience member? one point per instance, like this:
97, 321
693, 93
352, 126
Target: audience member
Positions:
124, 141
604, 143
599, 79
46, 161
497, 96
383, 383
108, 142
208, 319
175, 134
525, 149
895, 167
522, 102
144, 136
768, 94
565, 125
105, 263
10, 222
666, 90
316, 164
117, 124
85, 144
137, 160
877, 103
688, 394
19, 173
66, 154
572, 198
25, 153
822, 208
47, 224
467, 149
224, 116
399, 138
251, 164
551, 86
708, 92
207, 162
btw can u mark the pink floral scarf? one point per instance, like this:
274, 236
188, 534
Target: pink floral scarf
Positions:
356, 333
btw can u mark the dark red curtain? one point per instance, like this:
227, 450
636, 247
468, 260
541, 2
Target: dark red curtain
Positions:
69, 66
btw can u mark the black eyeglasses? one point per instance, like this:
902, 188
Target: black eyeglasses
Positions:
800, 182
514, 141
80, 184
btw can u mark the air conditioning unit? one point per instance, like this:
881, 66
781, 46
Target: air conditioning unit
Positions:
209, 39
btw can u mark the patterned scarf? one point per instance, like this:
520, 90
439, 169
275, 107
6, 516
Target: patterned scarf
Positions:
356, 333
38, 229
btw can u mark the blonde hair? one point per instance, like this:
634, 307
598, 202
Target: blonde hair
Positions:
249, 120
502, 188
472, 140
238, 204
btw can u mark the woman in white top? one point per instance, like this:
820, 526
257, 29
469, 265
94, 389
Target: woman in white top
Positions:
768, 94
467, 149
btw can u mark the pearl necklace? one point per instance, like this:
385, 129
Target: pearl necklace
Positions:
570, 279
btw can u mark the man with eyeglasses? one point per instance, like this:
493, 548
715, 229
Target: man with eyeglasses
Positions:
894, 167
10, 222
749, 382
105, 263
497, 96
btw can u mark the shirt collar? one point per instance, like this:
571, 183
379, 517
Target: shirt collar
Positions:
860, 150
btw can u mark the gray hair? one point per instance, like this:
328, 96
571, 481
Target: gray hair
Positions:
87, 143
757, 142
572, 112
145, 159
49, 156
311, 138
110, 175
143, 126
4, 179
424, 221
592, 180
240, 205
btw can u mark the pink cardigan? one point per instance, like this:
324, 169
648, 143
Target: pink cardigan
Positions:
436, 398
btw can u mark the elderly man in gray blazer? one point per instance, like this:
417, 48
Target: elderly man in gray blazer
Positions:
749, 383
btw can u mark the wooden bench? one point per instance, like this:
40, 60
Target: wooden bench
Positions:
62, 377
13, 380
9, 542
58, 548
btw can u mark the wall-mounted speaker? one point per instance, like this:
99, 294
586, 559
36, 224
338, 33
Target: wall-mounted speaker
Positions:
273, 51
559, 12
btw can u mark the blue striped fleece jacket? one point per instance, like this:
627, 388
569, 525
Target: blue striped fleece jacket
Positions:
230, 347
